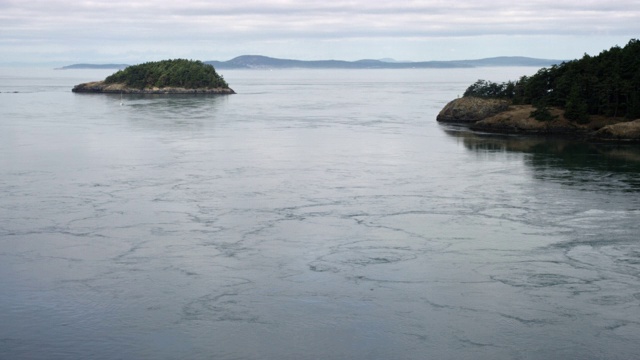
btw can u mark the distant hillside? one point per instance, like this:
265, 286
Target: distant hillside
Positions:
510, 61
265, 62
93, 66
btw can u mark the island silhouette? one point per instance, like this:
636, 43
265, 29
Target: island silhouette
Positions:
177, 76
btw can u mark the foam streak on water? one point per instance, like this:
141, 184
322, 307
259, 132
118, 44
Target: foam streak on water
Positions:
314, 215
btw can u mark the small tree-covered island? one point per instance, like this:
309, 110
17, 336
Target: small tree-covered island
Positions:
161, 77
595, 98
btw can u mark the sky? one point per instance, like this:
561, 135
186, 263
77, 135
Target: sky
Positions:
134, 31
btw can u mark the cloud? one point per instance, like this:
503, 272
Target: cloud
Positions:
77, 24
311, 18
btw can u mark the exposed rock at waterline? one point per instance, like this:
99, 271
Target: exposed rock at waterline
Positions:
624, 131
118, 88
471, 109
498, 116
517, 119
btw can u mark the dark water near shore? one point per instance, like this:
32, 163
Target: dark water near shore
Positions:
314, 215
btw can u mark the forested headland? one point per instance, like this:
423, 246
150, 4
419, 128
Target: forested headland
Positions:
607, 84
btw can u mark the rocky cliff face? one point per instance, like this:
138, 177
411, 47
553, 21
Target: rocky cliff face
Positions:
625, 131
518, 120
471, 109
498, 116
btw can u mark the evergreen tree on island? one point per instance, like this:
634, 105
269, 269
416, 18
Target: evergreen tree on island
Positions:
166, 76
607, 84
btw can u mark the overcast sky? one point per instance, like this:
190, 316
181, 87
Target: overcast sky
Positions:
132, 31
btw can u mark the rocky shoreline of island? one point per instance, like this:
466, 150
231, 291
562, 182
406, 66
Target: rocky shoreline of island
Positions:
595, 98
120, 88
502, 117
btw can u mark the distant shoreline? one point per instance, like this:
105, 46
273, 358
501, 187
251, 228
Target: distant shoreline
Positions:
265, 62
92, 66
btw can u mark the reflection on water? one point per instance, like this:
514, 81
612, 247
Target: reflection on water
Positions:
601, 164
162, 111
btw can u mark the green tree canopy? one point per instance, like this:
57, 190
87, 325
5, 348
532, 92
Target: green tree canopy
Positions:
607, 84
182, 73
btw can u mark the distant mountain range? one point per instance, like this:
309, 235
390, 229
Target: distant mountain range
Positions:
93, 66
265, 62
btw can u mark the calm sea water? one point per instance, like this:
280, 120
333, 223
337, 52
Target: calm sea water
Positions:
314, 215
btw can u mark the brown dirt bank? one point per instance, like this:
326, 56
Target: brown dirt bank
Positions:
517, 119
101, 87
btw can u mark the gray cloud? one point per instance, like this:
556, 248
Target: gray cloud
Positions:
75, 26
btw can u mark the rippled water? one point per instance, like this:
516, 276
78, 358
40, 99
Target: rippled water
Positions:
314, 215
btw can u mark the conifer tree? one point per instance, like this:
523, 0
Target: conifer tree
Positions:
576, 107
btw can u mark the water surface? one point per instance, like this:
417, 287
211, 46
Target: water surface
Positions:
314, 215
